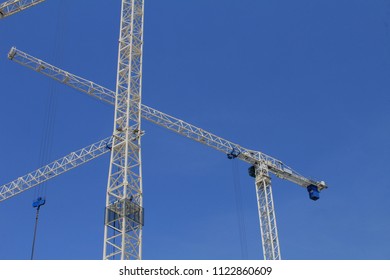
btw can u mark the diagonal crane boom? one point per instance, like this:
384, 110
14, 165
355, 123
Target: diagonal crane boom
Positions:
14, 6
179, 126
55, 168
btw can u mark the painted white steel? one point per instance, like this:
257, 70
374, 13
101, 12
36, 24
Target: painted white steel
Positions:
14, 6
267, 217
123, 237
55, 168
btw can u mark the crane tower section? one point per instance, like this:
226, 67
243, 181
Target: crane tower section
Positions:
124, 212
267, 217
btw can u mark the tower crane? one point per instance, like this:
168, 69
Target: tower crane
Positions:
124, 212
14, 6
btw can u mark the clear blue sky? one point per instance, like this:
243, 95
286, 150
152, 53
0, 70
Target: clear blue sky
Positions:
304, 81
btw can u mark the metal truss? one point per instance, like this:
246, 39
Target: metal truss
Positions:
14, 6
55, 168
124, 212
265, 203
179, 126
62, 76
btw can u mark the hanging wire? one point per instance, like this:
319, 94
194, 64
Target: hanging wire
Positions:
51, 103
239, 210
49, 120
37, 203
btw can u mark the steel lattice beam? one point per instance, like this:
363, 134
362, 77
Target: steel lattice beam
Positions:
55, 168
179, 126
14, 6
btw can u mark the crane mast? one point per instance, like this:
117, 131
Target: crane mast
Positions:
14, 6
265, 205
124, 208
124, 212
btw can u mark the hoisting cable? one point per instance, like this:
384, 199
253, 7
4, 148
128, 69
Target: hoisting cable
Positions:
239, 210
51, 105
36, 204
49, 121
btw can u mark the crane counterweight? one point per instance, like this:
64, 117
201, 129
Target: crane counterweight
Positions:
314, 193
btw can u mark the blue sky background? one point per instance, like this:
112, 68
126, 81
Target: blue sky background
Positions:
304, 81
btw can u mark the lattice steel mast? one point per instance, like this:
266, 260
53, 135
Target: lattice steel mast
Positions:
124, 213
265, 204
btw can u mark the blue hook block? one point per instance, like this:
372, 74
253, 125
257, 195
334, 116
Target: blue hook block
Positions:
39, 202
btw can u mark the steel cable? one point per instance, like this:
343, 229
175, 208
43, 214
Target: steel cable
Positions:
239, 210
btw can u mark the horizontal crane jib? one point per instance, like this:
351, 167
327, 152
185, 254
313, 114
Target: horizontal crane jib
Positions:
181, 127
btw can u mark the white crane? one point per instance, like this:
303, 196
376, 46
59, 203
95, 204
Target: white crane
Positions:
124, 212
